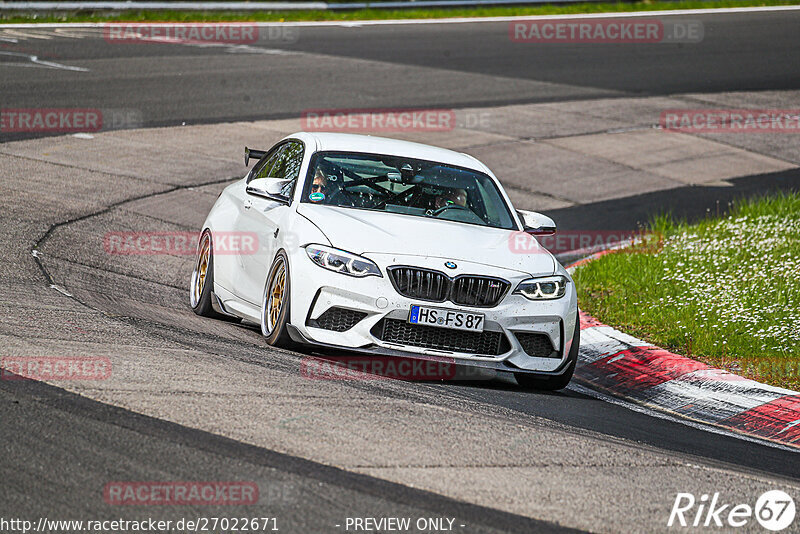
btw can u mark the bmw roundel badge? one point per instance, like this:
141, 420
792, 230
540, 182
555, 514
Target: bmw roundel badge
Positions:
450, 265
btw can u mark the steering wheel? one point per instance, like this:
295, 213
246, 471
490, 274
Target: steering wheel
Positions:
436, 212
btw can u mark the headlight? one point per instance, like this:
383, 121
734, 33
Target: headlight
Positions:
342, 262
546, 288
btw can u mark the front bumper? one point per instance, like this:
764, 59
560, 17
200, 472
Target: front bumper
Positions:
316, 290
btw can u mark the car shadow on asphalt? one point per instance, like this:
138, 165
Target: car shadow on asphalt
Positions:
691, 203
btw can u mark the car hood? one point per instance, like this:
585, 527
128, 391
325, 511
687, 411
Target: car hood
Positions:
364, 232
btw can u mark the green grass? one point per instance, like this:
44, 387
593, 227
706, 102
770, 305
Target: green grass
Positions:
378, 14
725, 291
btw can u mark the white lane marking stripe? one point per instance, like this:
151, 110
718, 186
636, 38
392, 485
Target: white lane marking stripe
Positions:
79, 34
243, 49
55, 65
61, 290
462, 20
38, 62
13, 35
27, 35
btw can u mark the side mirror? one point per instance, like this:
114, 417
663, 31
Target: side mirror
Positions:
271, 188
535, 223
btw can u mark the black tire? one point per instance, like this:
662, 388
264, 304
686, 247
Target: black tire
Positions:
274, 328
553, 383
200, 295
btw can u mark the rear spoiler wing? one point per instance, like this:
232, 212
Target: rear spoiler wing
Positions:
253, 153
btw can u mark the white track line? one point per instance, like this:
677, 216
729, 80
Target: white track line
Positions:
460, 20
36, 62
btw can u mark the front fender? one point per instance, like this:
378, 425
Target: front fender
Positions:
222, 218
293, 239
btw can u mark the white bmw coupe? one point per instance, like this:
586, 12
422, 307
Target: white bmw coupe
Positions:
392, 248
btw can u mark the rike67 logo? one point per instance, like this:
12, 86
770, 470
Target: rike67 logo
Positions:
774, 510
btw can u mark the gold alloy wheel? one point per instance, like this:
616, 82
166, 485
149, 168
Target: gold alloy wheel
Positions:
202, 268
276, 296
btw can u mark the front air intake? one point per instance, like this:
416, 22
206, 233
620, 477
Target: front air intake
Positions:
337, 319
536, 344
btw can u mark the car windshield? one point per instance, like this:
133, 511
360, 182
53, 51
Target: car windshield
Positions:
407, 186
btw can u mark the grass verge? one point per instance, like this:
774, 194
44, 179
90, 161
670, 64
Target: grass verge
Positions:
377, 14
725, 291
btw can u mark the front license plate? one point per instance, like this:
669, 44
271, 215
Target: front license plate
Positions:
445, 318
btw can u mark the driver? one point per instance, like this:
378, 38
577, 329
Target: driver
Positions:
320, 183
456, 196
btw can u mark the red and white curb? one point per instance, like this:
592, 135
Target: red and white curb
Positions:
623, 366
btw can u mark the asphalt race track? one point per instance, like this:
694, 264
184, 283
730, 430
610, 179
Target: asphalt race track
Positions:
195, 399
455, 65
